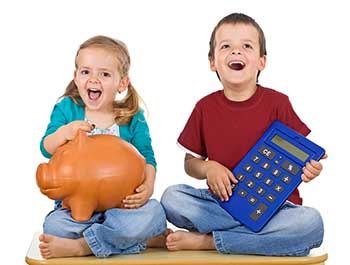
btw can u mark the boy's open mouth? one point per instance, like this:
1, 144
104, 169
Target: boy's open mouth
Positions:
236, 65
94, 93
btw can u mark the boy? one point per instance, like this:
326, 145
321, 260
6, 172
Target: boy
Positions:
221, 129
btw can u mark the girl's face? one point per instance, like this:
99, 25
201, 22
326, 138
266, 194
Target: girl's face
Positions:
237, 54
98, 79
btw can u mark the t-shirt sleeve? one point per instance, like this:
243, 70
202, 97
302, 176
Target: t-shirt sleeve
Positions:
288, 116
191, 138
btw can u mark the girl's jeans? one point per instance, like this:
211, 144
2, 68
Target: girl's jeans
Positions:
293, 231
115, 231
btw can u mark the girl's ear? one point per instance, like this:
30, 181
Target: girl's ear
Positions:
75, 77
123, 84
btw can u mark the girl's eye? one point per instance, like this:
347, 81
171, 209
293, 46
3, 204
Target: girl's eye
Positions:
247, 46
105, 74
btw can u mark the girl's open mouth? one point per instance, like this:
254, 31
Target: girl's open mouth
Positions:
94, 93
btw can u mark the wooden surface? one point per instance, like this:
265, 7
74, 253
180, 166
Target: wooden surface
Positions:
155, 256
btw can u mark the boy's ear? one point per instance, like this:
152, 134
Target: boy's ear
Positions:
262, 63
123, 84
212, 64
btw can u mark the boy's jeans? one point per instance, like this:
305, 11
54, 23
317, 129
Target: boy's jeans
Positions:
115, 231
293, 231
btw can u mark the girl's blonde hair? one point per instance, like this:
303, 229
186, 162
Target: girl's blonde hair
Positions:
126, 108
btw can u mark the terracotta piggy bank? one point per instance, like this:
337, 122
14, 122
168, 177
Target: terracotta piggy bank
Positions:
91, 174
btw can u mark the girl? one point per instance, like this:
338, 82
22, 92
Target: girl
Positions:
89, 103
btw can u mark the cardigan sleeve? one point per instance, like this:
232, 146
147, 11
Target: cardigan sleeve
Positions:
63, 112
141, 138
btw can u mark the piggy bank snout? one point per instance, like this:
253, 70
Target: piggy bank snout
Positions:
42, 176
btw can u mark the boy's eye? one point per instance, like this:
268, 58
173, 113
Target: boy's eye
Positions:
225, 46
247, 45
84, 72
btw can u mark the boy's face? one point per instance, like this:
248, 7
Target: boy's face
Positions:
237, 54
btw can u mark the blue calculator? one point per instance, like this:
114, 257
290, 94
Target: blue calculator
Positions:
268, 175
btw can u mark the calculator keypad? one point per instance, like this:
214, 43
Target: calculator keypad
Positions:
264, 180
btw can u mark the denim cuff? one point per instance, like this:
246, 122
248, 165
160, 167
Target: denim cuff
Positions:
218, 242
94, 245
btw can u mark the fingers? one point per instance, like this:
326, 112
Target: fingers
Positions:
311, 170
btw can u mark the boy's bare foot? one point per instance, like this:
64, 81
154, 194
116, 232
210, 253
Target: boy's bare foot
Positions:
182, 240
54, 247
159, 241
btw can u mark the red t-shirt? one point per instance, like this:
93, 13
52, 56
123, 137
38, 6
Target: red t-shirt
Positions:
224, 131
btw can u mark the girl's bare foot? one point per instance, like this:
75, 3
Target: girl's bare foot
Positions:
54, 247
183, 240
159, 241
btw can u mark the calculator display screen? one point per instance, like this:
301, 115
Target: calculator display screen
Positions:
292, 149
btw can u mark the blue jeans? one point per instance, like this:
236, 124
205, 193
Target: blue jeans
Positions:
293, 231
115, 231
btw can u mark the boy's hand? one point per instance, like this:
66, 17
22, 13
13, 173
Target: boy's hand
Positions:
70, 130
312, 170
142, 195
219, 180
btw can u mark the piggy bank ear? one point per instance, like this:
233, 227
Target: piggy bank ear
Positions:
80, 138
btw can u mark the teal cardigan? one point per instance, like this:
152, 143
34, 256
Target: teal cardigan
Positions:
136, 132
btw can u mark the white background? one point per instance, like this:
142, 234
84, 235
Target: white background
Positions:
308, 59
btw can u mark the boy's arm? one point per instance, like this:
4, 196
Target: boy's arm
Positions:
218, 177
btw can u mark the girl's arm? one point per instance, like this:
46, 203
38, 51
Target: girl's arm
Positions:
144, 191
63, 134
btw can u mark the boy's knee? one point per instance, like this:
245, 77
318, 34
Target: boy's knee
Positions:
171, 196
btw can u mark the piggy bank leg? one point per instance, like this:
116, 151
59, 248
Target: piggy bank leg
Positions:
82, 212
126, 231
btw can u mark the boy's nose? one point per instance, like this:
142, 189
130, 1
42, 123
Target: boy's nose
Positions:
236, 51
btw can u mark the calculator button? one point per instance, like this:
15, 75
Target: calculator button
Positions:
265, 165
255, 159
233, 186
271, 198
261, 191
250, 184
276, 172
286, 179
252, 200
258, 174
258, 212
267, 152
294, 169
278, 188
242, 193
248, 168
240, 177
268, 181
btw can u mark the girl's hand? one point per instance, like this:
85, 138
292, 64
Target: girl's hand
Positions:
142, 195
219, 180
312, 169
70, 130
